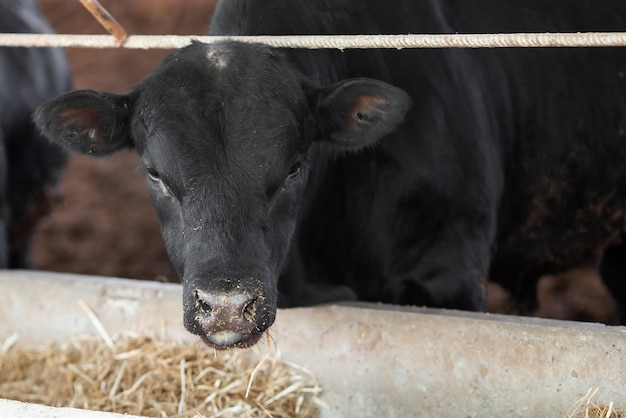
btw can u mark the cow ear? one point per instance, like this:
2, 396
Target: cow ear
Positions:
357, 112
87, 122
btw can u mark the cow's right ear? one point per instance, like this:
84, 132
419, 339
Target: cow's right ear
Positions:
87, 122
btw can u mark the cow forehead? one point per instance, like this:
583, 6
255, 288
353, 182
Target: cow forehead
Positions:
218, 58
228, 68
235, 88
218, 127
205, 113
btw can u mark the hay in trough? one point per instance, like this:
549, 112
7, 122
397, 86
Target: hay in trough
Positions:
142, 375
586, 407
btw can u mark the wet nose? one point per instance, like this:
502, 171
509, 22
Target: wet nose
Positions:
227, 319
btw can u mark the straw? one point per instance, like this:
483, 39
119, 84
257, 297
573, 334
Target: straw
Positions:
167, 379
585, 407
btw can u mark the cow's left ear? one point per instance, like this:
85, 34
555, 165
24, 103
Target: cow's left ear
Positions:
87, 121
357, 112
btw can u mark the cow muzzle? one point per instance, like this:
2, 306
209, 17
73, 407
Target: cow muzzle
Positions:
236, 318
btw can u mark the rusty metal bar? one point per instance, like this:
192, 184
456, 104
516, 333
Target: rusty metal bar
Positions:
106, 20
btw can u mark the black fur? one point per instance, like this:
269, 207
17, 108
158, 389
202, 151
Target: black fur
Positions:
296, 163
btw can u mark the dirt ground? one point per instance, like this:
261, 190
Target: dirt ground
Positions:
103, 223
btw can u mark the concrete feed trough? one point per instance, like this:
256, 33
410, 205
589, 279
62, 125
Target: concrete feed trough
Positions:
371, 360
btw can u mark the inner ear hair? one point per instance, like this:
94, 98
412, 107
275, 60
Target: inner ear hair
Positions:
358, 112
86, 121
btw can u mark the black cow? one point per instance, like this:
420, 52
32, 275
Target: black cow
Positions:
407, 177
29, 164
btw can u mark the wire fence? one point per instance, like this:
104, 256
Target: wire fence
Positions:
341, 42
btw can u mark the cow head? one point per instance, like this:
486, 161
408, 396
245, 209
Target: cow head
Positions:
223, 132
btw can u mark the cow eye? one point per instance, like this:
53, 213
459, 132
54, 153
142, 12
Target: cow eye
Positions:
295, 169
156, 181
153, 175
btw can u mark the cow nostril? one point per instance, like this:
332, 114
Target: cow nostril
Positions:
202, 304
249, 310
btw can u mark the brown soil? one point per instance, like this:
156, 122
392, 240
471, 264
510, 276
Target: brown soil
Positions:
103, 222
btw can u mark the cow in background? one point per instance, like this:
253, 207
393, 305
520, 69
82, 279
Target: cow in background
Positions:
410, 177
30, 165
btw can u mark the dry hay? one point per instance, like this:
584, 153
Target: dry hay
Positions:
587, 408
149, 376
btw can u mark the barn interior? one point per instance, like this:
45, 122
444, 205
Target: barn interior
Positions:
367, 357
